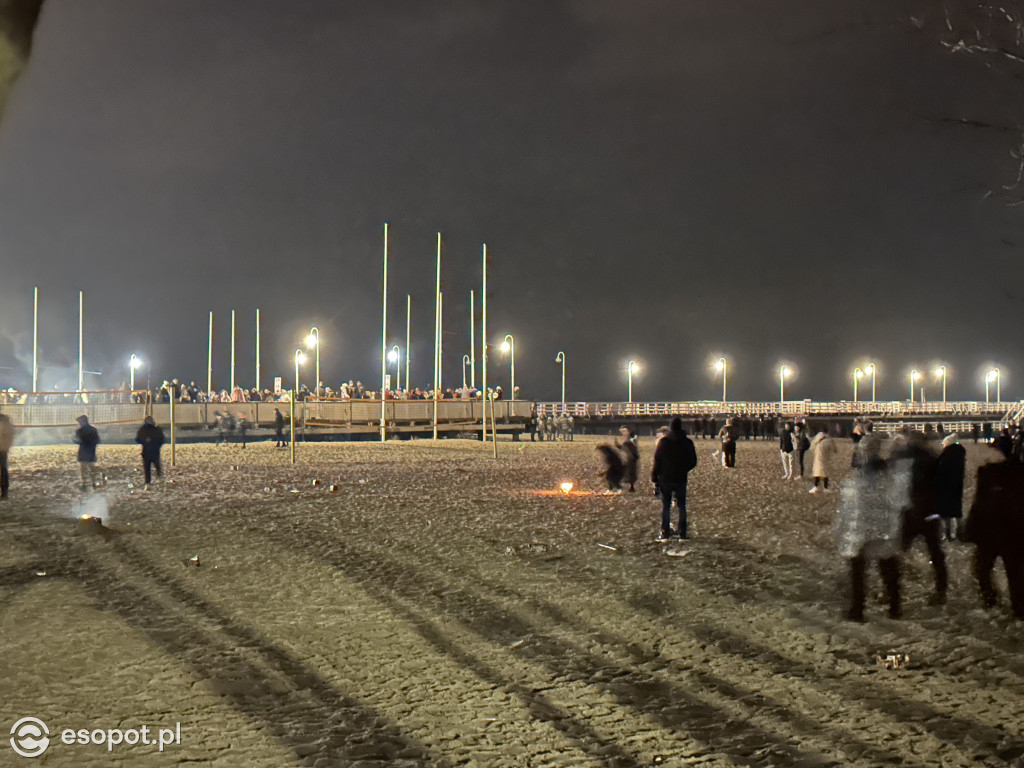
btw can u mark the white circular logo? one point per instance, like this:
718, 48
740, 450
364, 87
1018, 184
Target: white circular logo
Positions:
30, 737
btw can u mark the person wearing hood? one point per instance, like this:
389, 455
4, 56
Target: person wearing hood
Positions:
87, 438
6, 441
949, 485
824, 448
728, 435
674, 457
151, 438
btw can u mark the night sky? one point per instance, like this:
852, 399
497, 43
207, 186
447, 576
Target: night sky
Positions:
664, 181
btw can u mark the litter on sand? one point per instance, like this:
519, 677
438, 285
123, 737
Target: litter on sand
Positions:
678, 552
608, 546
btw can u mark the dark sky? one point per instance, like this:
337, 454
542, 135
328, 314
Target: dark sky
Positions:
667, 181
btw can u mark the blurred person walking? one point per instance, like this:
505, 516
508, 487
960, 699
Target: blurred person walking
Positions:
949, 486
87, 438
995, 526
151, 438
612, 468
630, 455
674, 457
279, 428
868, 523
6, 441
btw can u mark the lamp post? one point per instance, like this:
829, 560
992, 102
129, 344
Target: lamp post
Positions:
560, 358
993, 375
783, 373
858, 374
465, 361
871, 369
395, 356
313, 342
941, 371
914, 376
723, 366
300, 358
133, 363
631, 367
509, 345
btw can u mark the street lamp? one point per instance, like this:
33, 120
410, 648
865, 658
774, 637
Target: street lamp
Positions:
993, 375
723, 366
509, 345
870, 368
914, 376
313, 341
941, 371
783, 373
465, 361
560, 358
395, 356
858, 374
133, 362
300, 358
631, 368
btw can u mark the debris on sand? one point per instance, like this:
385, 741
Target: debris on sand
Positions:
192, 562
608, 546
892, 660
678, 552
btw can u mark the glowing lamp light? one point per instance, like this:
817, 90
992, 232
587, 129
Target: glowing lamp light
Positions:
312, 340
392, 356
991, 376
505, 346
135, 362
566, 488
634, 367
300, 358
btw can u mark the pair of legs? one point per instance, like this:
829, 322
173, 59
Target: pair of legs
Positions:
668, 490
889, 568
148, 465
914, 526
729, 454
985, 562
953, 528
820, 481
88, 471
787, 465
798, 461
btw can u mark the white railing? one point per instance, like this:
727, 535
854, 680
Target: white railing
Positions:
888, 409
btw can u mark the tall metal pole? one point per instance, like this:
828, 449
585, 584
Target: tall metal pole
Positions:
472, 341
724, 365
408, 329
257, 349
483, 345
560, 358
81, 341
173, 439
437, 332
782, 384
511, 342
209, 359
232, 350
291, 421
384, 342
35, 339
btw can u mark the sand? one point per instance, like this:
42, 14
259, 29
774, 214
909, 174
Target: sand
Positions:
442, 608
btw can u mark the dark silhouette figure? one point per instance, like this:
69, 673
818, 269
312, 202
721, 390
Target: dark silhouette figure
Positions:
613, 469
151, 438
674, 457
996, 526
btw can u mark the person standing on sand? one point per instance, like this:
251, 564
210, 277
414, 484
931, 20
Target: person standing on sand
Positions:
786, 451
728, 435
800, 445
87, 438
949, 485
824, 448
674, 457
151, 438
6, 441
279, 428
631, 456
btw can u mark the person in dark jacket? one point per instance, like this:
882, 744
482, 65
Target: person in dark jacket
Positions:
674, 457
151, 438
996, 525
949, 485
613, 469
630, 455
786, 451
87, 438
279, 428
6, 441
921, 517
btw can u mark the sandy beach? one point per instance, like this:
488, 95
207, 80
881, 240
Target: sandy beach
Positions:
441, 608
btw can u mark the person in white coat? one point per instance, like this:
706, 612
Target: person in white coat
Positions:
824, 449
